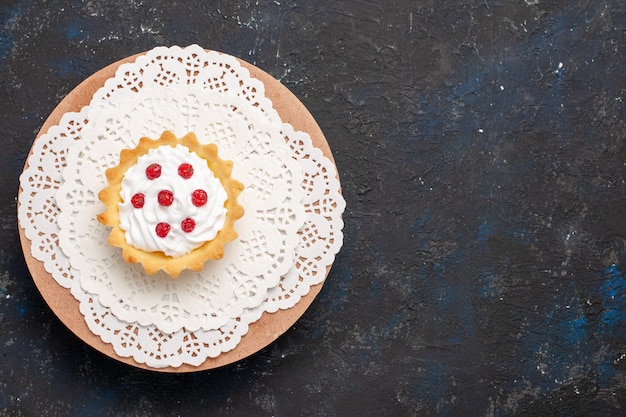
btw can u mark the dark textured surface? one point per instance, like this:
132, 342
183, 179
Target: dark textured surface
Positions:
482, 151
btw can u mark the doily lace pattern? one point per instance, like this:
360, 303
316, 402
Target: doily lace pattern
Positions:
293, 196
252, 264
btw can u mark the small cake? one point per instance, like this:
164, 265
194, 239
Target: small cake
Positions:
171, 203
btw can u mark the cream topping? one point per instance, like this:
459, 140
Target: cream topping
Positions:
144, 216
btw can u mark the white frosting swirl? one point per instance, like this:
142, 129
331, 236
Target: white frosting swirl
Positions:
140, 224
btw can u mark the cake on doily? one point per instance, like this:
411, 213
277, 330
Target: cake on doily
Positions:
287, 239
171, 203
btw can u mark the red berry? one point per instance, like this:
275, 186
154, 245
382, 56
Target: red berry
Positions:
138, 200
153, 171
188, 225
185, 170
166, 198
162, 229
199, 198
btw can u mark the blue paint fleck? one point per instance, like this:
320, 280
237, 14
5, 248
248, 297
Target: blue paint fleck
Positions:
605, 371
20, 311
74, 29
485, 230
613, 293
439, 268
616, 284
73, 32
489, 289
421, 221
576, 331
64, 68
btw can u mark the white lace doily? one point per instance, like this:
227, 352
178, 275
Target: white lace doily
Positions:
155, 320
253, 263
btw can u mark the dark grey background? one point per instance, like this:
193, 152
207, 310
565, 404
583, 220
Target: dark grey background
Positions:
481, 148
